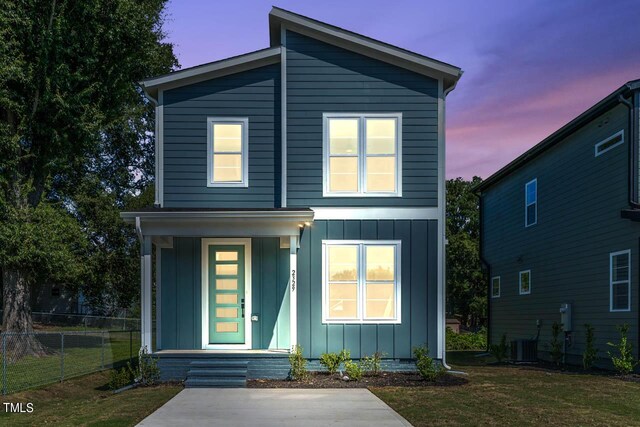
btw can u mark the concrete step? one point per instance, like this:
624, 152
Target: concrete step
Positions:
219, 364
215, 382
217, 372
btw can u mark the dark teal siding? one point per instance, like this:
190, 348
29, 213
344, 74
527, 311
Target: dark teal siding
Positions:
254, 94
580, 197
419, 290
181, 286
322, 78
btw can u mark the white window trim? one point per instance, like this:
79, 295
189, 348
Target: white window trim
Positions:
595, 148
611, 282
520, 282
362, 280
499, 286
362, 138
244, 121
526, 205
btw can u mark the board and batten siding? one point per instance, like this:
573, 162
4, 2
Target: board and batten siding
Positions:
580, 198
418, 288
323, 78
182, 291
254, 94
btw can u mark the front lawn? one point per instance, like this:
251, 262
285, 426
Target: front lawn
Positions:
85, 401
517, 395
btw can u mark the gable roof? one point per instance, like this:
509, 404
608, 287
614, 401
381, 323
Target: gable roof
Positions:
558, 136
281, 18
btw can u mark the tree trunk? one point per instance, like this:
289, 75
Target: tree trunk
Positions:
16, 316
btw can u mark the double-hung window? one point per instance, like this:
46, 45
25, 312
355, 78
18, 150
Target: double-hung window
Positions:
228, 152
620, 281
362, 155
531, 203
361, 281
525, 282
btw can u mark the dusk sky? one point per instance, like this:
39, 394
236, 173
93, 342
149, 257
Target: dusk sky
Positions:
529, 66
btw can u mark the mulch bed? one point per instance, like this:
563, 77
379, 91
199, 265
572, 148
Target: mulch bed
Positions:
384, 379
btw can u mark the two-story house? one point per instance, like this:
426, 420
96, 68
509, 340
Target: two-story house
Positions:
299, 201
559, 231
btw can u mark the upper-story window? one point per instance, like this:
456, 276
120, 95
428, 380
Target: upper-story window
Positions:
495, 287
362, 155
531, 203
228, 152
610, 143
620, 281
525, 282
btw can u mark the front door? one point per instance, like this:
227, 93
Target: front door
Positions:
226, 294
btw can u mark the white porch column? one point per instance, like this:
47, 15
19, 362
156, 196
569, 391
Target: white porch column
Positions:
293, 291
145, 294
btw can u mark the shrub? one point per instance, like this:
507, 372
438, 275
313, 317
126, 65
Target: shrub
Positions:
353, 370
427, 367
372, 364
499, 351
590, 352
147, 372
555, 345
466, 341
624, 363
331, 361
122, 377
298, 364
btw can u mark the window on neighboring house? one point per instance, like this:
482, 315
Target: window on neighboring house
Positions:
228, 152
495, 287
362, 155
620, 280
525, 282
361, 281
609, 143
531, 203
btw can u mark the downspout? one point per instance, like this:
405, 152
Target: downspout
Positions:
444, 237
156, 147
633, 152
139, 230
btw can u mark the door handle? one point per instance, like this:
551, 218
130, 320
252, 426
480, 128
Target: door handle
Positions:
242, 306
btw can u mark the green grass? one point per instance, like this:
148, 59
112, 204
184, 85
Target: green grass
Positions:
82, 355
84, 401
518, 395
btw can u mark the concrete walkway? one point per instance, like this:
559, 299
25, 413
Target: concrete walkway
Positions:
275, 407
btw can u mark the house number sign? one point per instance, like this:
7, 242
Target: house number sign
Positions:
293, 280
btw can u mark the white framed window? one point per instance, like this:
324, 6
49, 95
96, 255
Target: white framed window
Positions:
495, 287
525, 282
227, 152
620, 281
361, 281
531, 203
362, 155
610, 143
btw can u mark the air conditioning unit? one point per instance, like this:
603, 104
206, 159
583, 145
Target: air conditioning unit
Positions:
524, 350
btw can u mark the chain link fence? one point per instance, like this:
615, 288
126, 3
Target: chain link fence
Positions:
39, 358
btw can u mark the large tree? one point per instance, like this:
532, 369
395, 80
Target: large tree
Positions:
466, 287
75, 134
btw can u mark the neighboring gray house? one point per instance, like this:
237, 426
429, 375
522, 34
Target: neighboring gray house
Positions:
559, 226
299, 201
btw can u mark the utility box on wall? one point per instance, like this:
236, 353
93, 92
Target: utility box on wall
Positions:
565, 317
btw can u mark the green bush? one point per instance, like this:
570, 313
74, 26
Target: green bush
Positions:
353, 370
624, 361
466, 341
122, 377
147, 372
331, 361
590, 354
555, 345
500, 351
372, 364
298, 364
427, 367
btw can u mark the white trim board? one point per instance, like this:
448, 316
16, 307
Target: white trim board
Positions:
206, 242
375, 213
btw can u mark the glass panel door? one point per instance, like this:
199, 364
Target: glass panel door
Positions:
226, 294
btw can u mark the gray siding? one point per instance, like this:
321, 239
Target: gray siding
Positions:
580, 197
322, 78
181, 288
419, 290
254, 94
